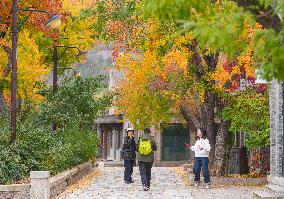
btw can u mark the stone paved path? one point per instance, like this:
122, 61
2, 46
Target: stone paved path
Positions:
166, 184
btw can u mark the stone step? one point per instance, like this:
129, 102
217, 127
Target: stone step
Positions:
276, 190
276, 180
263, 195
110, 164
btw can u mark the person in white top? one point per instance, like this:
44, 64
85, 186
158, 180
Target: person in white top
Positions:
201, 148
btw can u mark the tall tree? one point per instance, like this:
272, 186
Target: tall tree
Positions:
171, 67
37, 39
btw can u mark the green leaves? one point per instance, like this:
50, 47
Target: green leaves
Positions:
74, 103
38, 149
220, 26
217, 26
249, 113
4, 84
173, 9
269, 51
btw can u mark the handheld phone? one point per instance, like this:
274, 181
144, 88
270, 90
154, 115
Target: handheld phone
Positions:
187, 145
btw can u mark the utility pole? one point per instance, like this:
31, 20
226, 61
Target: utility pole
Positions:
14, 72
55, 67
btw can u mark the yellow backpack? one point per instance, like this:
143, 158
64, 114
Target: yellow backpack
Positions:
145, 147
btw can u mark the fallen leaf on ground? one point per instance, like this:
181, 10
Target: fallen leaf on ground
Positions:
84, 182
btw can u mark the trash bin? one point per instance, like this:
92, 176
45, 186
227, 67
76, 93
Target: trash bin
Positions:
238, 161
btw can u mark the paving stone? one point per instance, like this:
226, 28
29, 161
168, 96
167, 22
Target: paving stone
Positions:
166, 184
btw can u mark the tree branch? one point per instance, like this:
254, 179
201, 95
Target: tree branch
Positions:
8, 67
269, 19
189, 116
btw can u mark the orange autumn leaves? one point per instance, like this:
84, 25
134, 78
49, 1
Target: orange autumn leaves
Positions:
150, 90
229, 72
159, 75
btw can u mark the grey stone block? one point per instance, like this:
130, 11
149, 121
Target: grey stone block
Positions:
263, 195
276, 190
40, 186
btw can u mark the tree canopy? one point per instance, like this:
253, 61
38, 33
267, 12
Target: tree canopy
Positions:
220, 25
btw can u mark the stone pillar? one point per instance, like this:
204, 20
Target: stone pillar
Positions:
119, 146
99, 131
115, 143
276, 129
40, 187
158, 139
105, 143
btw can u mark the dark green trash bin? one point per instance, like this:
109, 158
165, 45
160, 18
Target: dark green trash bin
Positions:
238, 161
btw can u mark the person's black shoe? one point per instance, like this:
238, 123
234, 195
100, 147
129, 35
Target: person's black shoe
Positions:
127, 182
145, 188
131, 181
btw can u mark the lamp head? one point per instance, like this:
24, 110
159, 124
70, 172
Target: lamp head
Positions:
54, 22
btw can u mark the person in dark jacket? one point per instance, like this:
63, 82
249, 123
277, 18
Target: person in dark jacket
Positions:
129, 155
145, 162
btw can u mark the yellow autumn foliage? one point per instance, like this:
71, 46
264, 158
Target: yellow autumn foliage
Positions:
150, 91
30, 67
75, 6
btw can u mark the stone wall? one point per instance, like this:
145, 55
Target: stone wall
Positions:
276, 128
17, 191
58, 183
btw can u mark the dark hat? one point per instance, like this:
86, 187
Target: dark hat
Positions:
147, 130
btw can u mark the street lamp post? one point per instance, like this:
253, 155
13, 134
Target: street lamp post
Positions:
15, 30
56, 58
55, 66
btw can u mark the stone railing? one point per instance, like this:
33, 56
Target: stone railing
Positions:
43, 186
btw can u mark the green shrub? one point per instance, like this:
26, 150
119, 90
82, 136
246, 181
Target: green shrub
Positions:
75, 102
39, 149
74, 146
12, 167
73, 109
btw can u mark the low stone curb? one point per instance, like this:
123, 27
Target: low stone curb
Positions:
239, 181
58, 183
230, 181
227, 181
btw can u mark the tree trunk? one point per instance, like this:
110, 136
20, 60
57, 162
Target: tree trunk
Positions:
190, 125
267, 17
220, 149
6, 72
3, 106
209, 104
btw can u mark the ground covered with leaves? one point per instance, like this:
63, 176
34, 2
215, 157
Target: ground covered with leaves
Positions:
218, 192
